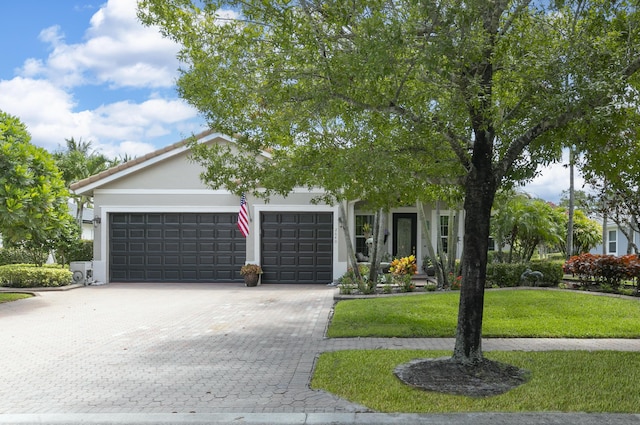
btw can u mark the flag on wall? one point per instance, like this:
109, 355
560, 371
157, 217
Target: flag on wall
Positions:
243, 217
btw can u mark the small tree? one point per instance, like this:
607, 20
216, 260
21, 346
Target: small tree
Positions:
33, 198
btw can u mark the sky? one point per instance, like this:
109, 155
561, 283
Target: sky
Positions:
88, 69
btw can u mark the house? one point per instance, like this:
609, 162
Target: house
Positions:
156, 221
87, 220
616, 242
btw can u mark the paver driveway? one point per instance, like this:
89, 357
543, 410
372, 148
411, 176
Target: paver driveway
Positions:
165, 348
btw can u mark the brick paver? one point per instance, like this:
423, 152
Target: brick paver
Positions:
187, 348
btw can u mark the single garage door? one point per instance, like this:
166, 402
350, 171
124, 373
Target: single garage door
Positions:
297, 247
175, 247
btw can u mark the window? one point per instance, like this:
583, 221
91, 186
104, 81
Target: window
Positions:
361, 240
444, 232
612, 241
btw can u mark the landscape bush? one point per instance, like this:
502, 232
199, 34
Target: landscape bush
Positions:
505, 275
608, 270
20, 256
30, 276
80, 250
551, 270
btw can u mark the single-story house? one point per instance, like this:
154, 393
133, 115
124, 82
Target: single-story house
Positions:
156, 221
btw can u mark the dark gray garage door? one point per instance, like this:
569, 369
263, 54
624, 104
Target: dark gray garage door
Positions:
297, 247
175, 247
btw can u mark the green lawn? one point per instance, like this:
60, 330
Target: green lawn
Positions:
508, 313
9, 296
574, 381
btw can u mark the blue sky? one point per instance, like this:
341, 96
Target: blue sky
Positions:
88, 69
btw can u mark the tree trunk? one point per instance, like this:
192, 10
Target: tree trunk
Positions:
440, 275
374, 257
480, 190
570, 247
351, 254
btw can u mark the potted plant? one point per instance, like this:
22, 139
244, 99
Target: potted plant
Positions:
428, 266
251, 274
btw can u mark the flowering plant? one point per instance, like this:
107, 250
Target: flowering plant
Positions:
404, 265
455, 282
250, 269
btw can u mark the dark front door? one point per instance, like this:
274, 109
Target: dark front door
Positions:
405, 234
296, 247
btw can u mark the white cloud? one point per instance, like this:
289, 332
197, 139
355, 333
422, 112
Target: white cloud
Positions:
553, 180
118, 50
49, 115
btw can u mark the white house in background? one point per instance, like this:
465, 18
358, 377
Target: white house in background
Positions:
616, 242
156, 221
87, 221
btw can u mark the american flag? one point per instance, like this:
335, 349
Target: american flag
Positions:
243, 217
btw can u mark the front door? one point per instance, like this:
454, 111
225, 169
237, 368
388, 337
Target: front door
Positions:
405, 234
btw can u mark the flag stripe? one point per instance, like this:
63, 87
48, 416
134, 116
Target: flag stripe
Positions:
243, 217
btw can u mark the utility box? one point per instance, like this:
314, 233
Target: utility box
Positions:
82, 272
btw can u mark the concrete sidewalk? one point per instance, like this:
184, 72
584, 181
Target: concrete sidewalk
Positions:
324, 419
193, 353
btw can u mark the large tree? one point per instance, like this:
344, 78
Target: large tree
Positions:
400, 94
33, 198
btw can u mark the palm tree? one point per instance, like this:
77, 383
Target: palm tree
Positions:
79, 161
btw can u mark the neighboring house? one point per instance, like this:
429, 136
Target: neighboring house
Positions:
616, 242
157, 221
87, 221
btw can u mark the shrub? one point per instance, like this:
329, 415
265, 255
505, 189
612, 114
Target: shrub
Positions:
30, 276
609, 269
504, 274
20, 256
551, 270
348, 282
79, 250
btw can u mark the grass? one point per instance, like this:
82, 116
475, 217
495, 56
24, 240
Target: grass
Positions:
6, 297
514, 313
574, 381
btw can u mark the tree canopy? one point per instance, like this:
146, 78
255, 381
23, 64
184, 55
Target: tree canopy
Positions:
382, 99
33, 198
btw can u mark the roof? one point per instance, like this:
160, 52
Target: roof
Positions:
87, 185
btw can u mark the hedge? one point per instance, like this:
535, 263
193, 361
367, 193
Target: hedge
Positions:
509, 274
30, 276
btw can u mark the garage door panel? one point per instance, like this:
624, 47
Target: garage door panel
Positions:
291, 249
307, 234
175, 247
225, 233
171, 247
306, 247
288, 247
189, 247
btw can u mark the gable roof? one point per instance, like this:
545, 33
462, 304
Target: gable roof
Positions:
86, 186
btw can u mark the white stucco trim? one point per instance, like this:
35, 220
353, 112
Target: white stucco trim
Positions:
161, 192
296, 190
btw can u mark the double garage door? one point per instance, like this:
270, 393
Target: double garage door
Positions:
207, 247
